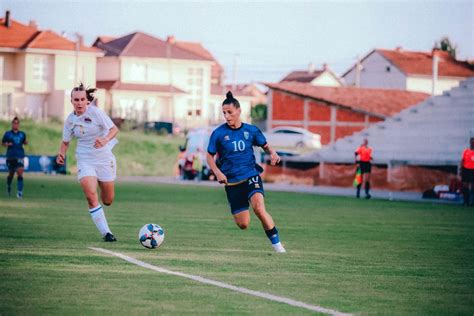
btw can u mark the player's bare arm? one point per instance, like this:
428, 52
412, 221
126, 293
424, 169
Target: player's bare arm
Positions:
102, 141
62, 153
221, 178
274, 158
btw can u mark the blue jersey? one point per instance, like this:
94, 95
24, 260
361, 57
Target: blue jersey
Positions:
235, 150
17, 139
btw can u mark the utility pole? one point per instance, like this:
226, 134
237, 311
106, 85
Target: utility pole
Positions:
435, 71
234, 71
76, 69
169, 42
358, 68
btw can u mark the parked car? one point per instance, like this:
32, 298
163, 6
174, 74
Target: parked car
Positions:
160, 127
294, 137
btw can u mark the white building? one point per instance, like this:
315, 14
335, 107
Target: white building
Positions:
38, 69
148, 79
408, 70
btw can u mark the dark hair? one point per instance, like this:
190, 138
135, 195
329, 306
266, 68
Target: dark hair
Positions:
16, 119
89, 91
231, 100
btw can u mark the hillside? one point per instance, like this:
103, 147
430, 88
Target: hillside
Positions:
137, 153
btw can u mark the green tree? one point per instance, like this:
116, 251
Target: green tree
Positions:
445, 45
259, 113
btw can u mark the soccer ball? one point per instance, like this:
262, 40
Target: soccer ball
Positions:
151, 236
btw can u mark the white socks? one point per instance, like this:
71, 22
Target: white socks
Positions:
98, 216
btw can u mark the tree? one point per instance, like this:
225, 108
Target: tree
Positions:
259, 113
445, 45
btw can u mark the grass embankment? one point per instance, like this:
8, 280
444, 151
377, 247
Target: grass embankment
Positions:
137, 153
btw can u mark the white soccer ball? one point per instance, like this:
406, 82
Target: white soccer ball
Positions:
151, 236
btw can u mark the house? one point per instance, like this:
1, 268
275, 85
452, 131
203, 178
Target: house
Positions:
149, 79
322, 77
334, 112
415, 149
217, 71
38, 69
408, 70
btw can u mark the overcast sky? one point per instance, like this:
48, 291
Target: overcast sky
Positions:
266, 39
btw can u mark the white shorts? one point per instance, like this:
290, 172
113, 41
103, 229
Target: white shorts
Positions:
104, 168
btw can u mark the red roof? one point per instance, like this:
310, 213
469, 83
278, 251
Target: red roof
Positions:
22, 36
139, 44
117, 85
421, 63
381, 102
302, 76
197, 48
238, 90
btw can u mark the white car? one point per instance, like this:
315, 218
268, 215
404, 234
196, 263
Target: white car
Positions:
294, 137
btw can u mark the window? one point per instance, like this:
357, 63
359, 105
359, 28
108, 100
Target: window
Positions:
40, 70
1, 67
137, 72
71, 72
153, 74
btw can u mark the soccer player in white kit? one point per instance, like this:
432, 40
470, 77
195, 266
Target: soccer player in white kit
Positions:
95, 133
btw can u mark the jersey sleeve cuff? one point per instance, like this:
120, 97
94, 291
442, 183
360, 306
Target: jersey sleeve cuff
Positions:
211, 153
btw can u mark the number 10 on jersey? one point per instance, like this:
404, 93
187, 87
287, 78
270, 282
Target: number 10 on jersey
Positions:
239, 145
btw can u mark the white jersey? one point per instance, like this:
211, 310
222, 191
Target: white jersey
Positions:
93, 124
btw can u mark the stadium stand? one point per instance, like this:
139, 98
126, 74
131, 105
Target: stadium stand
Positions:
432, 133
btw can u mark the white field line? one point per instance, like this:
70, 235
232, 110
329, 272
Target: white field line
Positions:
264, 295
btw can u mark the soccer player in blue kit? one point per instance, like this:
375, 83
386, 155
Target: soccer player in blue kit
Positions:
14, 141
233, 143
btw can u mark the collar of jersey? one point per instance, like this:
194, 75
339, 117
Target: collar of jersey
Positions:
234, 129
82, 113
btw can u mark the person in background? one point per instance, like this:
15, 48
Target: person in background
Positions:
363, 156
14, 140
467, 173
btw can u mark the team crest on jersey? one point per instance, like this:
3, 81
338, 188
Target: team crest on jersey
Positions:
226, 137
246, 135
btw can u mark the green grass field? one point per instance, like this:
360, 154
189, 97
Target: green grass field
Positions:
355, 256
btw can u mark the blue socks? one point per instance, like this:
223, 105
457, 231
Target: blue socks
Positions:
9, 184
272, 234
20, 184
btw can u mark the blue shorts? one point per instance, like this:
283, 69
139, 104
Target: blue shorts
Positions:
13, 164
239, 194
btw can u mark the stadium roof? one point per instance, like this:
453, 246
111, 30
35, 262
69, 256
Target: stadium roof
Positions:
380, 102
